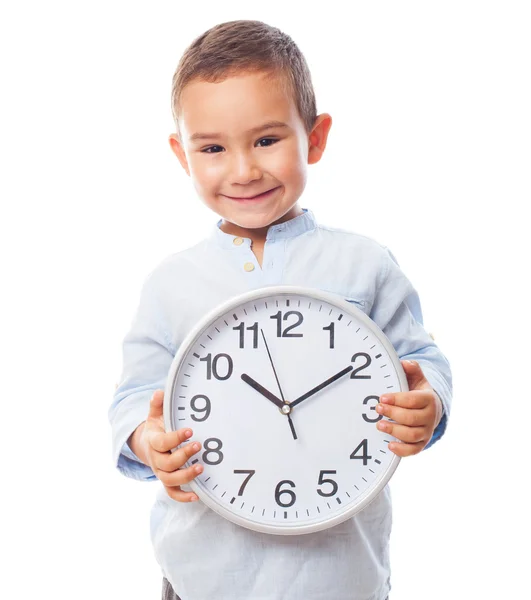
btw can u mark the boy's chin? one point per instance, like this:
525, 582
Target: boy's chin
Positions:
250, 221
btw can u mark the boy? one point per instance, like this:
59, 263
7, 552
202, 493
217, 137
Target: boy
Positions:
247, 128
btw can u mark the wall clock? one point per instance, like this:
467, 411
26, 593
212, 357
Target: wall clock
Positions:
280, 386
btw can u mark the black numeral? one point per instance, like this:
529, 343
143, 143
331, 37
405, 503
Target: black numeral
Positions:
353, 359
323, 480
212, 366
378, 417
216, 450
279, 318
290, 493
198, 409
362, 446
245, 481
241, 328
331, 328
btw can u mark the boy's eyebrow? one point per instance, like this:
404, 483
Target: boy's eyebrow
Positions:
213, 136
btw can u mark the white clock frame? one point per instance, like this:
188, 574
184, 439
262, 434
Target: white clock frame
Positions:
228, 307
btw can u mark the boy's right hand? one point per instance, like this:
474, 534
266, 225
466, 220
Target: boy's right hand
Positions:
165, 464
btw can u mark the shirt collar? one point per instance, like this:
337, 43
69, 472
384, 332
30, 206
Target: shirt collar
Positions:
289, 229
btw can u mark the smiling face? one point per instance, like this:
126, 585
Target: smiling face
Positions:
245, 147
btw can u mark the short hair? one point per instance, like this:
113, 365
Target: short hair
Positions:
246, 46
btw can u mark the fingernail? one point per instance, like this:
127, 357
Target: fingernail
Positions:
385, 399
188, 433
194, 499
195, 446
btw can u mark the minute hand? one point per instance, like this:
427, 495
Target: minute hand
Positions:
321, 386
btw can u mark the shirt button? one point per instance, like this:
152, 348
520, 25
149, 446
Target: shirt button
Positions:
237, 241
248, 266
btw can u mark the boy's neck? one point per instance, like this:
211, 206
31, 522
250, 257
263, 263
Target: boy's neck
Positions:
258, 236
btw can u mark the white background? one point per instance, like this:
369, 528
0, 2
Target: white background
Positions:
429, 154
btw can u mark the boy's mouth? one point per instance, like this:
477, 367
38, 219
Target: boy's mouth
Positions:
261, 196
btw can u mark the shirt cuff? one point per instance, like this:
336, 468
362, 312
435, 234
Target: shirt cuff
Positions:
131, 412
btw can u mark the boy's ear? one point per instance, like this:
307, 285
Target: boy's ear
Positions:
178, 150
317, 138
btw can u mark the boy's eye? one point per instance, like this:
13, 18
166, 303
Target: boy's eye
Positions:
273, 140
208, 150
213, 149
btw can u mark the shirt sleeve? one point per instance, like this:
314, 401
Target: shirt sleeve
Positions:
147, 355
397, 311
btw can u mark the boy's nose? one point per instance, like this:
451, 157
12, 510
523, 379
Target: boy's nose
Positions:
244, 170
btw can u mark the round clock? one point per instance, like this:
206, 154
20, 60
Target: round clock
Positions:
280, 386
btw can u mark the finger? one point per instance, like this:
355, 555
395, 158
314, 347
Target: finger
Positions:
171, 461
155, 406
179, 495
162, 441
404, 433
411, 399
415, 376
180, 476
404, 416
404, 449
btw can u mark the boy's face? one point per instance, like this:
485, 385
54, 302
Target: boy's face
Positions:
252, 179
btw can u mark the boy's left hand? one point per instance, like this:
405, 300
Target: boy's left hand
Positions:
416, 412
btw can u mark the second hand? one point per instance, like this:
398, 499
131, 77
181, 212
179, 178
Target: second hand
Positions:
292, 427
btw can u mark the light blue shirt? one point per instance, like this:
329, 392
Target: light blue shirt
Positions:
204, 556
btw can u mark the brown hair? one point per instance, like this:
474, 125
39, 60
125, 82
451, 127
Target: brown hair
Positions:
246, 46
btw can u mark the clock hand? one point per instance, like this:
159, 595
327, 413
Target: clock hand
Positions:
287, 410
259, 388
321, 386
292, 427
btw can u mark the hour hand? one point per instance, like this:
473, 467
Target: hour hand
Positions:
259, 388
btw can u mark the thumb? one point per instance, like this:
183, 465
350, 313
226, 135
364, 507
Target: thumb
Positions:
415, 376
155, 406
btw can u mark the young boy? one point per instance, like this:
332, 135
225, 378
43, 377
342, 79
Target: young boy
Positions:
247, 128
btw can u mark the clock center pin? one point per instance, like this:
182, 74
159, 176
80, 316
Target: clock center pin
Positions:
285, 409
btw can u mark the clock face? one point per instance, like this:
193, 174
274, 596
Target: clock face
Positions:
280, 387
